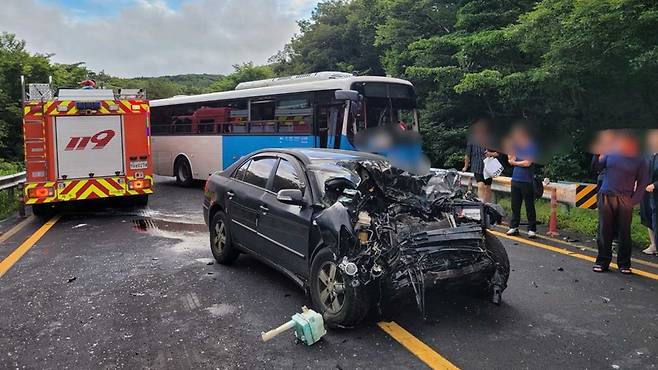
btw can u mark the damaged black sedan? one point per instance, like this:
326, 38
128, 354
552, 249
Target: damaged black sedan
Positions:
355, 232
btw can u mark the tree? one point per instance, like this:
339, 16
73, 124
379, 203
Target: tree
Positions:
242, 73
339, 36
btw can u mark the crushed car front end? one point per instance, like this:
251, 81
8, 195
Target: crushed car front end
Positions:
393, 233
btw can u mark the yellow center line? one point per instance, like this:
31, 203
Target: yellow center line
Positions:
568, 253
581, 246
16, 255
15, 229
415, 346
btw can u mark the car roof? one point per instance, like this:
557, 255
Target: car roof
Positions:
312, 155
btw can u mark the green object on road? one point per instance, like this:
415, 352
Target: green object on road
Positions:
308, 325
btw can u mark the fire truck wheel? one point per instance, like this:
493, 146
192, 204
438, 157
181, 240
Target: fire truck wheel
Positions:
141, 200
220, 240
183, 172
43, 210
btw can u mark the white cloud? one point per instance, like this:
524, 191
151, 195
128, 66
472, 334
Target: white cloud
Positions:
150, 38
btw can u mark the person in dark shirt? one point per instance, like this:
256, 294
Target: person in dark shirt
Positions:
522, 157
623, 185
649, 209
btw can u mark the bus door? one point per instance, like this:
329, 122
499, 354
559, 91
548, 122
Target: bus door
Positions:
330, 125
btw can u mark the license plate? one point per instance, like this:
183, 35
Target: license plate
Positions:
138, 165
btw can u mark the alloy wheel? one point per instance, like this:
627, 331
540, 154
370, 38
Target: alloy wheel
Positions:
332, 287
219, 242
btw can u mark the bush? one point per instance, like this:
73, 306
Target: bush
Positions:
9, 168
8, 202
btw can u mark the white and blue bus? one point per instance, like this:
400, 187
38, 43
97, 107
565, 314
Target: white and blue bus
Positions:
194, 136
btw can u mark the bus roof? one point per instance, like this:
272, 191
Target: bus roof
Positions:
340, 81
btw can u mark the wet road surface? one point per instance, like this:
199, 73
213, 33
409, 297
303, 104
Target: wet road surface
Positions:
138, 289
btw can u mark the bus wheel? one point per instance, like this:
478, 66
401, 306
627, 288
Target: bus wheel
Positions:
183, 172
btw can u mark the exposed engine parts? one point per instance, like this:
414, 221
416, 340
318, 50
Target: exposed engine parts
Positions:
394, 232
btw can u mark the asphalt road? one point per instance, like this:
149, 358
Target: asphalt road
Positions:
125, 288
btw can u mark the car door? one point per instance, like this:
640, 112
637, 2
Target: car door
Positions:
244, 200
285, 227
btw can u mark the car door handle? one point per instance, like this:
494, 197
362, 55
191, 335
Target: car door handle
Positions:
264, 209
230, 194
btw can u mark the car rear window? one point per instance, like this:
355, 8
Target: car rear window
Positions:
286, 177
259, 171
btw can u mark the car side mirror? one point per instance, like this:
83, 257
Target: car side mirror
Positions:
293, 197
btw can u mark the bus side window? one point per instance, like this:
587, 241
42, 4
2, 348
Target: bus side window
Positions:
161, 121
238, 117
294, 114
262, 116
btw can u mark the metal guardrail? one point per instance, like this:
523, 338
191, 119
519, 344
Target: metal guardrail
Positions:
10, 183
566, 192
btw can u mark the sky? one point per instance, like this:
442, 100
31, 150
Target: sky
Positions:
131, 38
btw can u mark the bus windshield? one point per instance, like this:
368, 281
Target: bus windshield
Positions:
386, 104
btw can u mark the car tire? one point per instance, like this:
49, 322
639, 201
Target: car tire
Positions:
499, 255
220, 240
183, 172
327, 291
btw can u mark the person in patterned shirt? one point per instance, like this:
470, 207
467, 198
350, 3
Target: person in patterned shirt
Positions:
477, 149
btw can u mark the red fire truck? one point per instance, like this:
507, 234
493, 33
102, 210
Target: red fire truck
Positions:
85, 144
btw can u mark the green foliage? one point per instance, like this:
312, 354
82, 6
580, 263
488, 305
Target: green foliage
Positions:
8, 199
10, 168
339, 36
14, 62
242, 73
572, 67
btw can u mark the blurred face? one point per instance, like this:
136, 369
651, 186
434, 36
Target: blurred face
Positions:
628, 146
652, 141
604, 143
480, 131
520, 135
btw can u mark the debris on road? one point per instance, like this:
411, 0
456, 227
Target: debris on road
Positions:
135, 294
79, 226
605, 299
71, 279
308, 325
